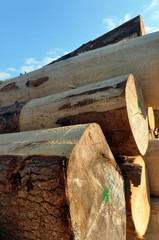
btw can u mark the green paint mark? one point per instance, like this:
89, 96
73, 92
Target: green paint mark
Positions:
138, 103
106, 195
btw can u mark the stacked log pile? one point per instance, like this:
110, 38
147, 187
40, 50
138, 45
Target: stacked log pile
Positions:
77, 153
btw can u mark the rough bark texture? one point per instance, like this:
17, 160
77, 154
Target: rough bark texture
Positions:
136, 193
156, 116
139, 56
152, 163
131, 29
33, 203
9, 117
60, 184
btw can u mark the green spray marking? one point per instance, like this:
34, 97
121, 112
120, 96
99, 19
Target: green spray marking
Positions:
106, 195
138, 103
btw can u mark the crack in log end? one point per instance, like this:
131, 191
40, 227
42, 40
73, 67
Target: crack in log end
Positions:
82, 103
10, 86
121, 85
37, 82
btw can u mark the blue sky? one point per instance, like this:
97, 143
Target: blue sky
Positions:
35, 32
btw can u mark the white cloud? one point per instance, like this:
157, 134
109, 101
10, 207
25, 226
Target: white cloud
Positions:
151, 29
153, 4
47, 60
11, 69
4, 75
27, 68
127, 17
114, 22
30, 61
65, 53
110, 23
51, 52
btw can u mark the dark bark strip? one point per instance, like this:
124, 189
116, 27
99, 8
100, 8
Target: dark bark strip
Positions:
9, 117
128, 30
37, 82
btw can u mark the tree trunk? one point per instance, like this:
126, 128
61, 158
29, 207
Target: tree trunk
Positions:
55, 184
153, 228
116, 105
151, 118
137, 195
156, 116
133, 28
152, 163
139, 56
152, 232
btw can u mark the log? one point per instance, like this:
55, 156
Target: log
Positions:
151, 119
137, 194
152, 163
131, 29
156, 116
153, 228
152, 232
139, 56
116, 105
54, 184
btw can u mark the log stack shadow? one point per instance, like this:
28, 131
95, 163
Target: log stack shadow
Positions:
79, 143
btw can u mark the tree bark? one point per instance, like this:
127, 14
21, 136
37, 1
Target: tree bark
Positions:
152, 163
156, 116
131, 29
116, 105
139, 56
55, 184
137, 195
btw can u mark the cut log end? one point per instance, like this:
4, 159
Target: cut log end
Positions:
137, 114
140, 201
151, 118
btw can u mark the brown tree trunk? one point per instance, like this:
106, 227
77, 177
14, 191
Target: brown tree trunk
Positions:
116, 105
60, 184
137, 195
156, 116
139, 56
152, 163
131, 29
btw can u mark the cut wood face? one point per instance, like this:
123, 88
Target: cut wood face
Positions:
140, 201
137, 114
95, 191
152, 163
151, 118
153, 228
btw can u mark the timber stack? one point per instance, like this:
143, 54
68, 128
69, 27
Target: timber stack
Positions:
79, 143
